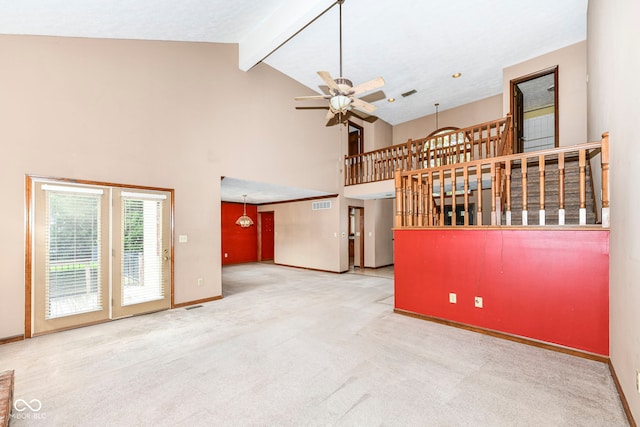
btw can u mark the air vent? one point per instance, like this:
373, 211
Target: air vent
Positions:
317, 206
411, 92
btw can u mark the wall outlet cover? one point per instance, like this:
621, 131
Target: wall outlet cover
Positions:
478, 302
453, 298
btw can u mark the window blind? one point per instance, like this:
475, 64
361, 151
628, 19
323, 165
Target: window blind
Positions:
72, 239
143, 254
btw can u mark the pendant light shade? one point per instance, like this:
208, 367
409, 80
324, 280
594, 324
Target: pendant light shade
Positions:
244, 221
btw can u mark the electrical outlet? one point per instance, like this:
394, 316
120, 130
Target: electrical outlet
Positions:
638, 380
200, 281
453, 298
478, 302
226, 255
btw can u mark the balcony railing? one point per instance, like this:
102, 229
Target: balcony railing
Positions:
480, 141
422, 194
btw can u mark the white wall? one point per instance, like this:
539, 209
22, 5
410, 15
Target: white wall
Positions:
307, 238
160, 114
614, 106
484, 110
378, 230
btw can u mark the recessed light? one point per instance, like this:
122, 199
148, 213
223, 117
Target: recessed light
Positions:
391, 100
456, 75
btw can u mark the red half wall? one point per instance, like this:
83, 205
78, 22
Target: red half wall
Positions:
239, 244
548, 285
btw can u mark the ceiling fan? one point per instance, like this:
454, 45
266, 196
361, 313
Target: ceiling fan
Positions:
342, 94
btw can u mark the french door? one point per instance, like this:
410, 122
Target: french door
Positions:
99, 253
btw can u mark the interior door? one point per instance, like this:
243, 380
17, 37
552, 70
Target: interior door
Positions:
267, 236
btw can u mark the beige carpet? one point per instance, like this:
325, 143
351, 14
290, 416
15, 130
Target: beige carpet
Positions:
290, 347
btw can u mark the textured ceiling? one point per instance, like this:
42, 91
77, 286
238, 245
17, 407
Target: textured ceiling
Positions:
232, 190
412, 44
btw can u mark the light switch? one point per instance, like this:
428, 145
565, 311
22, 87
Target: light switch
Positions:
182, 238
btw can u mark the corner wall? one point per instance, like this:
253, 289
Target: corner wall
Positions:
614, 106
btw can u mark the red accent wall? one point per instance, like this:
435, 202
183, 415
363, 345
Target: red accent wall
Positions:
240, 244
548, 285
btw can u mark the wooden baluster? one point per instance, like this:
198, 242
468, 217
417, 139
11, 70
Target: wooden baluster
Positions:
454, 221
525, 203
346, 170
441, 178
494, 220
498, 196
419, 207
430, 199
541, 164
487, 143
479, 194
561, 212
410, 204
465, 177
604, 159
425, 200
376, 166
582, 159
399, 200
508, 191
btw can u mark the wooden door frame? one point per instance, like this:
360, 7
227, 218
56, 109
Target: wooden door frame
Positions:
360, 209
361, 139
514, 82
29, 230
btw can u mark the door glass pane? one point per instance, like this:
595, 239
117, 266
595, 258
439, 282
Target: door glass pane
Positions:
72, 259
142, 254
538, 112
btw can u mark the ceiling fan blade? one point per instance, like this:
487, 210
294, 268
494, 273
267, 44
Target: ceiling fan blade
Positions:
364, 106
313, 108
304, 98
330, 114
366, 117
368, 86
326, 77
336, 119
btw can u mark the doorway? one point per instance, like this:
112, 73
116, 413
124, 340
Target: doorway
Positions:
356, 237
356, 147
534, 106
98, 252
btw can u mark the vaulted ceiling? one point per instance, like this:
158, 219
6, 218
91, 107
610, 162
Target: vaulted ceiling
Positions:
413, 44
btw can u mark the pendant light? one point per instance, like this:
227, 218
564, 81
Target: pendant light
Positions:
244, 221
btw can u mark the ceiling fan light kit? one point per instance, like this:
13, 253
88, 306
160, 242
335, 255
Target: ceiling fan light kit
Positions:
342, 93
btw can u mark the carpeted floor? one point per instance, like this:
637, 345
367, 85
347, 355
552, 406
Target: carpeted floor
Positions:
291, 347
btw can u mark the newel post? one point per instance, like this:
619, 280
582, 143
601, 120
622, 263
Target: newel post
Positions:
509, 149
605, 179
399, 199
